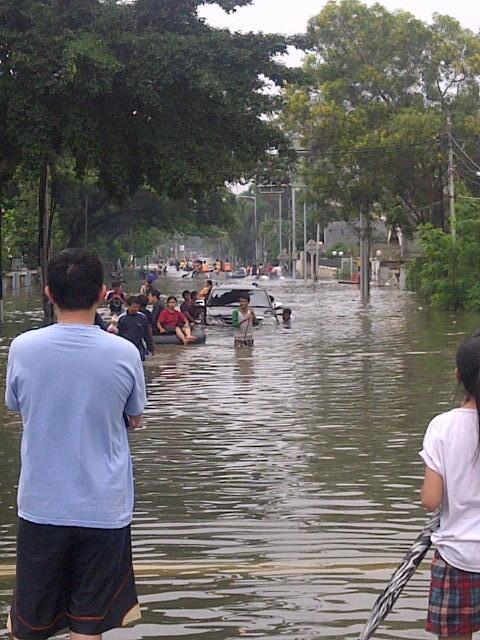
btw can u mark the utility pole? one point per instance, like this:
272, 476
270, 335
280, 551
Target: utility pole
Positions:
86, 221
280, 224
451, 180
364, 256
294, 234
317, 253
256, 225
305, 241
2, 211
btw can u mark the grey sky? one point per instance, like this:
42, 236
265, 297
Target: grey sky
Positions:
291, 16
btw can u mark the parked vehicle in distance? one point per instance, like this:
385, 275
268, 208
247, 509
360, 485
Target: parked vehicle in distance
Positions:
224, 299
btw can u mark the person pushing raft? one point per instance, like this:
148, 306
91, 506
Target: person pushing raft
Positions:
243, 320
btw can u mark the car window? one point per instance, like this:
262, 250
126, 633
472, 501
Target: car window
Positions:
230, 297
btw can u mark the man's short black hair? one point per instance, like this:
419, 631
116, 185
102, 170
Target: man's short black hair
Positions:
75, 279
185, 293
132, 300
155, 293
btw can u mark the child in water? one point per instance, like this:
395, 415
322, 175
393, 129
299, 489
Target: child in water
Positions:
451, 452
287, 317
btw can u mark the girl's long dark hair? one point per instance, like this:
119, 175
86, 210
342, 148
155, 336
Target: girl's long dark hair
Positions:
468, 365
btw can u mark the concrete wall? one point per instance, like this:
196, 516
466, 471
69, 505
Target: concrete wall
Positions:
348, 233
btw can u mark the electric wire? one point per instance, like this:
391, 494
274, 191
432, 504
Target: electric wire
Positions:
464, 152
357, 150
465, 165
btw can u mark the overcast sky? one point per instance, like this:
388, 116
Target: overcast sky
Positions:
291, 16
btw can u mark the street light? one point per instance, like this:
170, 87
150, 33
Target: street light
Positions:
254, 198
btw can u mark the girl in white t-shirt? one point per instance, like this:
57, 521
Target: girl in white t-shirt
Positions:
451, 452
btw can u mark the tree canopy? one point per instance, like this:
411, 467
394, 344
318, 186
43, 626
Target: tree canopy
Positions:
372, 108
140, 91
140, 95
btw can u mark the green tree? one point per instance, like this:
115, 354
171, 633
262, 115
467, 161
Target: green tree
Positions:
373, 105
446, 276
139, 93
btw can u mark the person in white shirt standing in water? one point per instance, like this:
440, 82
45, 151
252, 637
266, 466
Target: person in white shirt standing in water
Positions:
451, 452
72, 384
243, 320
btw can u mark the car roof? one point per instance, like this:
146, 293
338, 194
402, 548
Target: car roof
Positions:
241, 287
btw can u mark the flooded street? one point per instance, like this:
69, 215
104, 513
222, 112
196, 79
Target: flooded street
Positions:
276, 489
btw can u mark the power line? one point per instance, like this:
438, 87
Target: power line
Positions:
464, 152
476, 182
465, 165
355, 150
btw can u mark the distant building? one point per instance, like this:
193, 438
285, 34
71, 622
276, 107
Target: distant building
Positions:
349, 234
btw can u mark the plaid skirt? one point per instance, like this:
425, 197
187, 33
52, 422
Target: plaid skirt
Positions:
454, 603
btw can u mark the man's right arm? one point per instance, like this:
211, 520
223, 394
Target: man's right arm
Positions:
135, 422
138, 395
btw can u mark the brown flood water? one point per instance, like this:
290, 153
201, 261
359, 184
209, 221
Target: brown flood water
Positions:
276, 490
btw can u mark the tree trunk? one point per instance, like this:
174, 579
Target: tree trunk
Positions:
45, 210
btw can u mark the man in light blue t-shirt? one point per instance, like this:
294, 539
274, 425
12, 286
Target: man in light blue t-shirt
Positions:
72, 384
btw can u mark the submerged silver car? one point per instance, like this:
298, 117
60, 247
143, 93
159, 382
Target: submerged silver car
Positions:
224, 299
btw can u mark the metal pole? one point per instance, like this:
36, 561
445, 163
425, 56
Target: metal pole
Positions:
305, 274
317, 254
294, 234
255, 226
279, 224
86, 221
451, 180
1, 264
364, 258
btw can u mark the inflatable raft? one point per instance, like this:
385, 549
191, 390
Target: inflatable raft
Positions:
198, 332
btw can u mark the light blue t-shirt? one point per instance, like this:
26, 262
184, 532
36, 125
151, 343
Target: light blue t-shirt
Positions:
71, 384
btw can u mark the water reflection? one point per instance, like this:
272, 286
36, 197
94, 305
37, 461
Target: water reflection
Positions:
276, 488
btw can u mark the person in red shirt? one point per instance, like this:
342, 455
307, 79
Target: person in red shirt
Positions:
172, 321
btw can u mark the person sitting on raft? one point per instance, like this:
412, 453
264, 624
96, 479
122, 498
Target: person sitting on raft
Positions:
197, 311
171, 321
186, 307
153, 298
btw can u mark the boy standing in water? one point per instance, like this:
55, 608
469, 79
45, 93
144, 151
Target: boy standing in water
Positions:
451, 452
243, 320
72, 383
133, 326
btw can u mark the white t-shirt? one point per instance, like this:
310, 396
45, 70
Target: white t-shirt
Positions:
450, 449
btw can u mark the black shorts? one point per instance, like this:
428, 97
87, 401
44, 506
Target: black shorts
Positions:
72, 577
